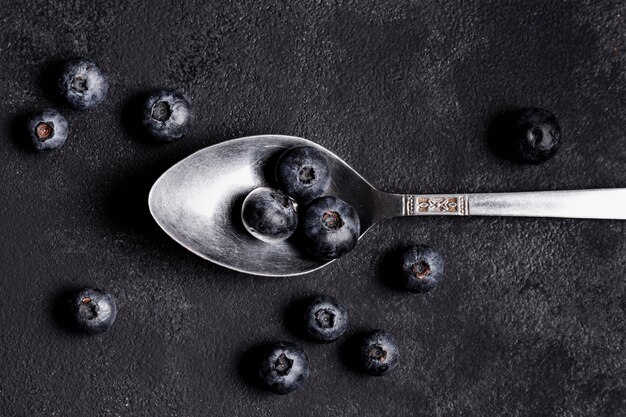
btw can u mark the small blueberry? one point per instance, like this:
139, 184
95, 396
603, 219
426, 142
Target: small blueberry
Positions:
331, 227
302, 173
325, 318
47, 130
535, 135
378, 353
92, 311
269, 215
167, 115
422, 268
284, 367
83, 84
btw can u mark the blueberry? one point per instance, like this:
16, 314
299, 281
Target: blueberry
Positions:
284, 367
269, 215
422, 268
535, 134
47, 130
302, 172
325, 318
83, 84
167, 115
378, 353
331, 227
92, 311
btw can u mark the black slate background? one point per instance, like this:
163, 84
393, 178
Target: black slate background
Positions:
530, 319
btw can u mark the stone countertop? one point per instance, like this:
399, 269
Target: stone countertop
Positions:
530, 317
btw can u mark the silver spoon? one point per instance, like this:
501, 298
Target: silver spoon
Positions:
198, 202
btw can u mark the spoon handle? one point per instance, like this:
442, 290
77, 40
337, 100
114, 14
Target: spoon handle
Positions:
608, 203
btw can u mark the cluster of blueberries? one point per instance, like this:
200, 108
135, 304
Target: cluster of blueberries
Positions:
284, 366
167, 115
331, 226
83, 85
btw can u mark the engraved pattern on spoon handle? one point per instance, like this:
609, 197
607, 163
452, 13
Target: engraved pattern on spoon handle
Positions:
608, 203
437, 204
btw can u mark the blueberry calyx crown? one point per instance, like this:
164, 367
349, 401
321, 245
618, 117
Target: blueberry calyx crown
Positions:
44, 130
283, 365
307, 175
88, 309
161, 111
377, 353
79, 84
302, 172
332, 220
325, 318
420, 269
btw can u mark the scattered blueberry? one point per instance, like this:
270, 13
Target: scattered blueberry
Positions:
284, 367
83, 84
536, 135
422, 268
269, 215
92, 310
167, 115
303, 173
378, 353
325, 318
331, 227
47, 130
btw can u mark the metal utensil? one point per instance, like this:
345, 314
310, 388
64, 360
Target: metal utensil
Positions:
198, 202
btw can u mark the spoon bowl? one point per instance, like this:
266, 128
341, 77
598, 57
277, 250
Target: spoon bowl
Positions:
198, 203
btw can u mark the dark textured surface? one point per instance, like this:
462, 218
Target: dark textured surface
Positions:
529, 318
